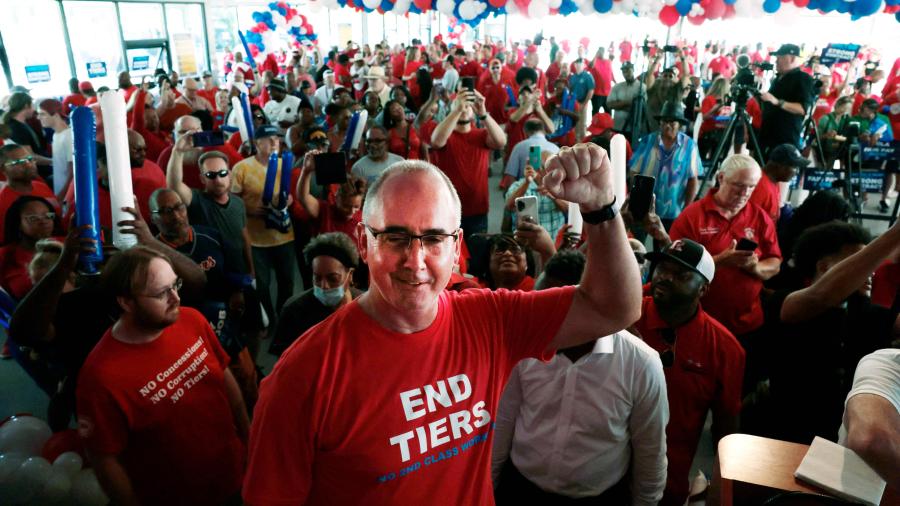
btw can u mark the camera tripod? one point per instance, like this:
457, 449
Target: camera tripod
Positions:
812, 138
851, 169
733, 135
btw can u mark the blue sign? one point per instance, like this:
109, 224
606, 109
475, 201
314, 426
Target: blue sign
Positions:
96, 69
824, 179
37, 73
140, 63
837, 53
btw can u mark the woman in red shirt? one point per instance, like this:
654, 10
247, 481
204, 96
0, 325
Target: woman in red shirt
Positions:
413, 62
403, 139
713, 105
28, 220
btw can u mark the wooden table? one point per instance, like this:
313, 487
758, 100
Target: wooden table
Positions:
763, 462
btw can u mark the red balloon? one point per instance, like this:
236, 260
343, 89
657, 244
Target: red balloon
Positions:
730, 12
801, 3
423, 5
497, 3
254, 29
696, 20
714, 9
669, 15
254, 49
62, 442
262, 27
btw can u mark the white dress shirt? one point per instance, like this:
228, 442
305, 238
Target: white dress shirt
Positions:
574, 429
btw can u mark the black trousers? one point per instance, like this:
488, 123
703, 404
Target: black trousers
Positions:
515, 489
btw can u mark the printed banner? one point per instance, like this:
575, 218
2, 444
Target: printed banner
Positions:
37, 73
838, 53
96, 69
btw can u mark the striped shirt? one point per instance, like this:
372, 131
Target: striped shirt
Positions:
672, 169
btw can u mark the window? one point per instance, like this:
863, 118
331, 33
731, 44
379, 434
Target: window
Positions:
98, 52
375, 28
34, 43
142, 21
187, 38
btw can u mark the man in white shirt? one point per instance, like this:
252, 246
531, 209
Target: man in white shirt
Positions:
325, 93
282, 109
376, 79
358, 73
590, 423
451, 75
50, 113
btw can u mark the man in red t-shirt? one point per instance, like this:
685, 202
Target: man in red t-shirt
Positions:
161, 416
702, 361
22, 179
462, 151
718, 221
602, 71
625, 48
784, 160
390, 400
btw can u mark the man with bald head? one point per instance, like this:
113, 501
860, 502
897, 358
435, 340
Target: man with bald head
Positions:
193, 99
187, 125
720, 222
391, 399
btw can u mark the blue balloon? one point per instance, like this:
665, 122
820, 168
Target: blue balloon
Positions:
282, 11
730, 2
270, 24
843, 7
603, 5
261, 46
257, 17
862, 8
273, 5
897, 16
254, 37
387, 5
568, 7
828, 5
684, 7
771, 6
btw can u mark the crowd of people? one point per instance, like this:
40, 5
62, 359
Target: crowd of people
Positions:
550, 361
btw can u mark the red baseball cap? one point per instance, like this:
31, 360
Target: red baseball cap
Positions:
600, 123
85, 86
52, 106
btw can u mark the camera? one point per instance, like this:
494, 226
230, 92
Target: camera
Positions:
670, 49
764, 65
743, 86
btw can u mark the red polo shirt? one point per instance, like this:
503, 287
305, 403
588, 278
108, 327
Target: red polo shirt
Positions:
707, 374
733, 296
767, 196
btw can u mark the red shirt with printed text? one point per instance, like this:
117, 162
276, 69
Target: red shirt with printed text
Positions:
733, 296
356, 414
465, 160
162, 408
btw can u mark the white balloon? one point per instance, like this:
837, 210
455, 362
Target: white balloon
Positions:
538, 9
470, 9
371, 4
28, 480
70, 462
511, 7
401, 7
9, 464
86, 489
670, 2
554, 4
296, 20
446, 7
24, 435
56, 488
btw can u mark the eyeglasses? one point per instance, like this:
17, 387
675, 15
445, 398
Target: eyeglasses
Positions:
215, 174
504, 246
668, 357
164, 294
20, 161
169, 210
35, 218
375, 141
400, 242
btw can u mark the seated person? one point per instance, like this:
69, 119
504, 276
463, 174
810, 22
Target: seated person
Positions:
333, 258
610, 394
829, 325
872, 414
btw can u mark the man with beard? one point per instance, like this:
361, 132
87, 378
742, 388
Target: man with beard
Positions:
829, 325
622, 95
462, 152
155, 394
702, 361
664, 89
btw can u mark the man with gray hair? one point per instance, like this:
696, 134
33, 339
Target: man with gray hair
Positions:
404, 415
188, 125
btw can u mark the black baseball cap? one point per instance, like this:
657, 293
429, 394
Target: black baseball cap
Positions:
266, 131
689, 254
788, 154
627, 65
277, 84
785, 49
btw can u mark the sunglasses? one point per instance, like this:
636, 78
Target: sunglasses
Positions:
20, 161
217, 173
35, 218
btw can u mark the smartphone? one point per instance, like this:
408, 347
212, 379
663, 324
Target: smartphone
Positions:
640, 196
746, 245
527, 208
208, 138
534, 157
331, 168
468, 83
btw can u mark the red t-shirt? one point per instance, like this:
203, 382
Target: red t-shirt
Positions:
142, 188
708, 373
733, 296
723, 66
824, 105
72, 101
14, 277
150, 171
8, 196
768, 197
755, 113
336, 424
470, 69
342, 75
495, 100
190, 174
707, 105
162, 408
603, 77
413, 84
397, 143
465, 160
329, 220
515, 131
885, 283
625, 48
156, 141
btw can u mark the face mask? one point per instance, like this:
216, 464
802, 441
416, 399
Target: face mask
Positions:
331, 297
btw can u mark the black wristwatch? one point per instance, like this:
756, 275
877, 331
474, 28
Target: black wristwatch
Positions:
482, 118
605, 213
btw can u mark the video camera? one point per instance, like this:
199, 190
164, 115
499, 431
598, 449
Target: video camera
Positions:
744, 83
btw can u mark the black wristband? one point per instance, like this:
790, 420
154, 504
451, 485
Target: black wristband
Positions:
605, 213
482, 118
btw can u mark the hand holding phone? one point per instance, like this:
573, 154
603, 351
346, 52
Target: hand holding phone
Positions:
331, 168
527, 208
640, 197
746, 245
